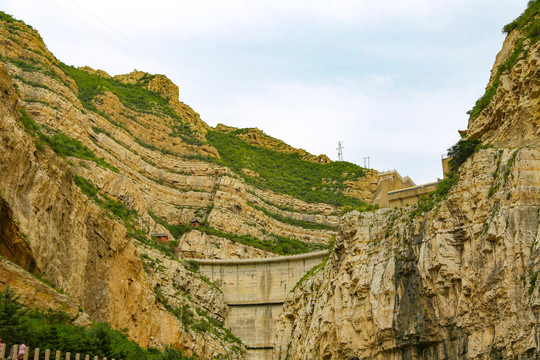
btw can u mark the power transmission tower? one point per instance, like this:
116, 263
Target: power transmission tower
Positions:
340, 151
366, 163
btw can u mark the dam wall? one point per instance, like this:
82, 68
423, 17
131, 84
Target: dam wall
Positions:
255, 291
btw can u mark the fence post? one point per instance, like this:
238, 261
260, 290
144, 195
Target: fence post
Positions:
15, 351
47, 354
36, 354
77, 356
2, 351
26, 353
57, 355
96, 357
87, 357
68, 355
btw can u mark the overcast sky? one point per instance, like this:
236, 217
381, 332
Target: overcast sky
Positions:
391, 79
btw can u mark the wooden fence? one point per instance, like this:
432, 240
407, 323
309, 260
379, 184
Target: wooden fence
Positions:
4, 353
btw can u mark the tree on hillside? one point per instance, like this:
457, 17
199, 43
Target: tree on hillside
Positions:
11, 316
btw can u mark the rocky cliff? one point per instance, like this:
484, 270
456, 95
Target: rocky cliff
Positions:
92, 166
454, 278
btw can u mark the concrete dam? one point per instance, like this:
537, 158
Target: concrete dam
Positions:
255, 291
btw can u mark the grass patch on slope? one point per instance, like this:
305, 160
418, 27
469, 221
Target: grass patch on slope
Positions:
62, 144
294, 222
287, 173
280, 245
132, 96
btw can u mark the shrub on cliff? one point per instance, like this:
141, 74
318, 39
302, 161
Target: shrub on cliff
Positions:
461, 151
533, 9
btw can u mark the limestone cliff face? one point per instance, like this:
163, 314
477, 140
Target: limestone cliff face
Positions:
146, 168
457, 282
512, 118
71, 240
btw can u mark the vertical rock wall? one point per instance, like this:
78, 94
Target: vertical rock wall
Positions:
459, 282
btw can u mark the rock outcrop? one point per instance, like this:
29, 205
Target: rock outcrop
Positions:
459, 281
91, 165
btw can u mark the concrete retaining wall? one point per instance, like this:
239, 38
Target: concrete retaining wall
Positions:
255, 290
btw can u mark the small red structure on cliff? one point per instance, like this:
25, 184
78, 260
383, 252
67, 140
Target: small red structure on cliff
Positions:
160, 237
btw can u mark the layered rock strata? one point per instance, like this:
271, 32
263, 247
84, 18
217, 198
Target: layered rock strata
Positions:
459, 282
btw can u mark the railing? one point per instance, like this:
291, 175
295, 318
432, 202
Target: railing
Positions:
57, 354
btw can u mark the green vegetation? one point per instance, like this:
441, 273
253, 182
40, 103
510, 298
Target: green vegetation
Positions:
202, 323
32, 65
133, 96
176, 230
532, 11
497, 183
99, 130
532, 282
48, 329
428, 202
301, 223
314, 270
528, 24
278, 245
192, 265
183, 131
10, 19
117, 209
162, 150
62, 144
459, 152
287, 173
114, 207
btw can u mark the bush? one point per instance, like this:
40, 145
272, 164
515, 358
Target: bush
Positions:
461, 151
533, 9
133, 96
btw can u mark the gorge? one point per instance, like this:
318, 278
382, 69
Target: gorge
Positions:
119, 205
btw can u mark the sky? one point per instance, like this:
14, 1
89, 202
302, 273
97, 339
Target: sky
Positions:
391, 79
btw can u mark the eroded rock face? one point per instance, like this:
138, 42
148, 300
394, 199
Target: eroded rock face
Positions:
86, 249
513, 117
457, 283
76, 245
